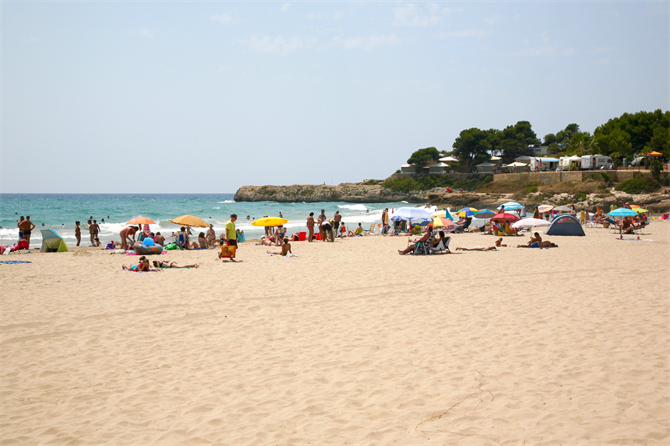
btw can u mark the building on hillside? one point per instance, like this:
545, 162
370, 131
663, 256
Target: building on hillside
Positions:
438, 169
486, 167
540, 151
408, 169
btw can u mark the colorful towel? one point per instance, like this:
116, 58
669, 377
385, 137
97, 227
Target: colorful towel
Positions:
12, 262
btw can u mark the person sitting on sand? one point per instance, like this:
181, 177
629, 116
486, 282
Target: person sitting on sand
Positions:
159, 239
285, 249
425, 239
534, 242
202, 240
168, 264
499, 243
142, 265
358, 231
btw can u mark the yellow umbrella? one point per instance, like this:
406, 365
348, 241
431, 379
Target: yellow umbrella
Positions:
270, 221
640, 210
442, 213
190, 220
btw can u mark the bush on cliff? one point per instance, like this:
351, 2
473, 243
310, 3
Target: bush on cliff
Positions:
426, 182
638, 186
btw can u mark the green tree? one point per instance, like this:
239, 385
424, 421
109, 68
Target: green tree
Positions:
422, 157
472, 144
641, 130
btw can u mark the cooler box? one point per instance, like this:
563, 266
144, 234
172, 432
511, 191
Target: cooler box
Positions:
302, 236
318, 236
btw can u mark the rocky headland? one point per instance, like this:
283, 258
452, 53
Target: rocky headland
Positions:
375, 193
311, 193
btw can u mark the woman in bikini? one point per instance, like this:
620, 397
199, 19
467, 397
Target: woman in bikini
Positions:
168, 264
142, 266
77, 232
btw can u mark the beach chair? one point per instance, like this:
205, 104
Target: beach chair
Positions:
443, 246
180, 240
421, 248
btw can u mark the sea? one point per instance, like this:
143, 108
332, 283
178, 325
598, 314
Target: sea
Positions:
60, 211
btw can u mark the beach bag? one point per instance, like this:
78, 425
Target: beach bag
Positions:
171, 246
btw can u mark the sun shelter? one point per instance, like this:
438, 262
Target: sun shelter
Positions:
52, 242
565, 225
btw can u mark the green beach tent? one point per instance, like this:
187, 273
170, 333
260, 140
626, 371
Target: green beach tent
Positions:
52, 242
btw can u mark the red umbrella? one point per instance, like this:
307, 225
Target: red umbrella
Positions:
505, 218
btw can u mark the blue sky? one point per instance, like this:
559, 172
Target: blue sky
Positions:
150, 97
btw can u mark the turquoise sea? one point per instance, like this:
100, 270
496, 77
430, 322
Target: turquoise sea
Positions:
60, 211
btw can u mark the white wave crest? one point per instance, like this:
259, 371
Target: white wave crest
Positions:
353, 207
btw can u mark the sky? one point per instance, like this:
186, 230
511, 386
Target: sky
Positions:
205, 97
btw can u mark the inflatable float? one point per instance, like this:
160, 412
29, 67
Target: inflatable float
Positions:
139, 248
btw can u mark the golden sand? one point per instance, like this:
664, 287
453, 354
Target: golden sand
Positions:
348, 343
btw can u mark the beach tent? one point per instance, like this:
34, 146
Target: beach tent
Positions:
52, 242
565, 225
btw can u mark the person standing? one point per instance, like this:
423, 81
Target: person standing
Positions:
125, 236
27, 227
320, 220
310, 227
231, 235
336, 221
211, 236
77, 232
93, 231
19, 224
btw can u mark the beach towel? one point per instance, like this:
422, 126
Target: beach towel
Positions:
635, 239
279, 255
12, 262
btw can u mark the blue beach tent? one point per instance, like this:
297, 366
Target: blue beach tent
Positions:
565, 225
52, 242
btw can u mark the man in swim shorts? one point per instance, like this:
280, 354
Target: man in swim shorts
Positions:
27, 226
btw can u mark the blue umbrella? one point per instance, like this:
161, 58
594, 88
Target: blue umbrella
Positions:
511, 205
623, 212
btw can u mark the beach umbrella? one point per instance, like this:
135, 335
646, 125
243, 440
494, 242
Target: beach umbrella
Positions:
654, 153
270, 221
441, 213
634, 206
640, 210
562, 209
466, 212
505, 218
485, 213
544, 208
411, 214
511, 205
622, 212
529, 223
190, 220
441, 222
140, 221
52, 241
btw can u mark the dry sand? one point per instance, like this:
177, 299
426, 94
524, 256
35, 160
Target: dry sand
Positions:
348, 343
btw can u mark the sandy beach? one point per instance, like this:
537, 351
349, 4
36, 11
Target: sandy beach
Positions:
347, 343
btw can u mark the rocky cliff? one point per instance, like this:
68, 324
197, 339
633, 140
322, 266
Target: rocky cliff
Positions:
309, 193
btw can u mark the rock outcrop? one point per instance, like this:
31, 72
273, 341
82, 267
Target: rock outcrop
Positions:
309, 193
